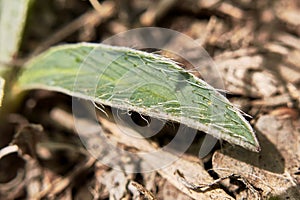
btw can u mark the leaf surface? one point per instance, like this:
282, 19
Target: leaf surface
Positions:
2, 82
13, 15
147, 83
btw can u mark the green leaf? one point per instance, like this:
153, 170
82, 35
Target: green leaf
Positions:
13, 15
2, 81
143, 82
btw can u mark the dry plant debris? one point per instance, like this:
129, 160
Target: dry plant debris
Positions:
256, 46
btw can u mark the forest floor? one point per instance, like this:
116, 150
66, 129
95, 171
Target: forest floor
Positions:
256, 48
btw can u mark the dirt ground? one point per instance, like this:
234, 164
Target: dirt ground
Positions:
256, 48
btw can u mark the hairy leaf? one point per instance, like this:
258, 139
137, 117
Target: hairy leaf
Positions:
143, 82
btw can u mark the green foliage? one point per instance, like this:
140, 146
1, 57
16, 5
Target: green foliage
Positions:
1, 90
134, 80
13, 14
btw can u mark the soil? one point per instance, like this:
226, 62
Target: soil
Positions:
256, 48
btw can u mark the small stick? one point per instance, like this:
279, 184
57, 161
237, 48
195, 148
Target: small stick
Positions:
8, 150
205, 187
101, 12
143, 191
104, 10
156, 11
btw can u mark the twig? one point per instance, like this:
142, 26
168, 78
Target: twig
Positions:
147, 194
60, 184
65, 31
92, 15
156, 11
208, 30
105, 9
8, 150
205, 187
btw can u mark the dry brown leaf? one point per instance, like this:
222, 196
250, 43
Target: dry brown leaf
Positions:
288, 40
277, 100
141, 190
287, 12
264, 84
245, 76
193, 172
116, 183
289, 73
291, 16
283, 130
169, 192
276, 48
243, 52
293, 59
273, 169
149, 180
245, 62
